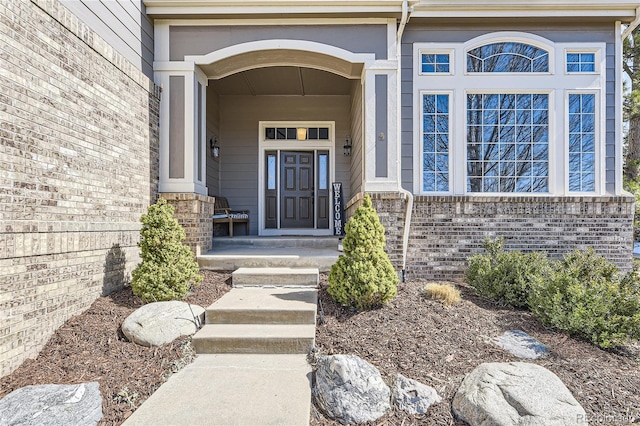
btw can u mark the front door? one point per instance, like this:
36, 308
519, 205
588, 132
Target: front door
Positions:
297, 197
295, 170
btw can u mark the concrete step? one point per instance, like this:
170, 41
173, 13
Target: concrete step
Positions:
275, 242
230, 259
255, 305
232, 389
279, 277
255, 338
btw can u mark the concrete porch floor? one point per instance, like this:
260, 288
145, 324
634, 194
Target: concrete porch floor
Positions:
271, 252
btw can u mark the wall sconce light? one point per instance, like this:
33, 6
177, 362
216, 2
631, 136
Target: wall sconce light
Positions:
214, 148
347, 147
301, 133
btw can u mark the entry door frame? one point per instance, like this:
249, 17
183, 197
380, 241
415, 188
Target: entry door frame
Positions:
294, 145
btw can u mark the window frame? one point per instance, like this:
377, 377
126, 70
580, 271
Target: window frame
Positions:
599, 134
557, 83
449, 93
436, 51
597, 66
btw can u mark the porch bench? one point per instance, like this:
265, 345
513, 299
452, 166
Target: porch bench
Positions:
222, 213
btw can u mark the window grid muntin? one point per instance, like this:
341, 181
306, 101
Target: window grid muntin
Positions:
435, 142
507, 142
486, 58
435, 62
582, 142
580, 62
291, 133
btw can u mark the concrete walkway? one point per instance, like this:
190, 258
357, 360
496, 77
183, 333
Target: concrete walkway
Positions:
232, 389
251, 368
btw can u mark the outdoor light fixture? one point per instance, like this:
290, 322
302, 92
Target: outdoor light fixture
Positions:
347, 147
302, 133
214, 147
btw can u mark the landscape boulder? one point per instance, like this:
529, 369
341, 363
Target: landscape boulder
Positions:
52, 405
520, 344
412, 396
516, 393
158, 323
350, 390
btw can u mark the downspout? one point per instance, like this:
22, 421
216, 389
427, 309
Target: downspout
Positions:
407, 194
632, 26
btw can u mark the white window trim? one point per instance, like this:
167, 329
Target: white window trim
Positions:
600, 135
511, 37
451, 133
555, 83
293, 145
585, 48
449, 52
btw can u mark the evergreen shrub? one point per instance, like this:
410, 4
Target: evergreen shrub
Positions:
506, 276
588, 297
168, 268
363, 276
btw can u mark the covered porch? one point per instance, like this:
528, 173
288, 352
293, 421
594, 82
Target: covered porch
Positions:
271, 126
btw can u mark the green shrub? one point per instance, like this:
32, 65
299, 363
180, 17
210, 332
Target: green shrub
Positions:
506, 277
588, 297
168, 268
363, 276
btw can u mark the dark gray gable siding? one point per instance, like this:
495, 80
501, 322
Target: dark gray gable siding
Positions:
122, 24
557, 33
203, 40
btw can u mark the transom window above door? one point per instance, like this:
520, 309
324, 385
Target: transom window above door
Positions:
296, 133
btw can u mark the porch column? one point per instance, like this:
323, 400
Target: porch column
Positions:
183, 147
380, 130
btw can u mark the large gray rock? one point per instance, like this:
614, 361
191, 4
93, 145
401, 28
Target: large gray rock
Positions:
52, 405
516, 393
350, 390
520, 344
412, 396
158, 323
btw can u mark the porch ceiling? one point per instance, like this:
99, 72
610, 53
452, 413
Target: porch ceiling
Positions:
282, 80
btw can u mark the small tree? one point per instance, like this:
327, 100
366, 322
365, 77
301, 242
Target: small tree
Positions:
168, 269
363, 276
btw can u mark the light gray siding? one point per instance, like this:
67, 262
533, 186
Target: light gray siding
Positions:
556, 33
357, 155
213, 130
123, 24
239, 117
203, 40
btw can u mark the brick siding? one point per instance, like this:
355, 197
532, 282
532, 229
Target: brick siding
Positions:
78, 167
193, 212
446, 230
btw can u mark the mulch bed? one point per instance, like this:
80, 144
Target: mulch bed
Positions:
437, 345
414, 336
91, 347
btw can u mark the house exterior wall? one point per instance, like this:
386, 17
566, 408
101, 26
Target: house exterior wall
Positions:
123, 25
447, 230
356, 171
585, 33
239, 132
192, 40
78, 167
213, 131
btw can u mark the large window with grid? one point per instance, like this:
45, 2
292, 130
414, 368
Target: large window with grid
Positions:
509, 116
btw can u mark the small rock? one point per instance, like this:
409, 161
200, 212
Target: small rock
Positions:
350, 390
52, 405
516, 393
158, 323
520, 344
412, 396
